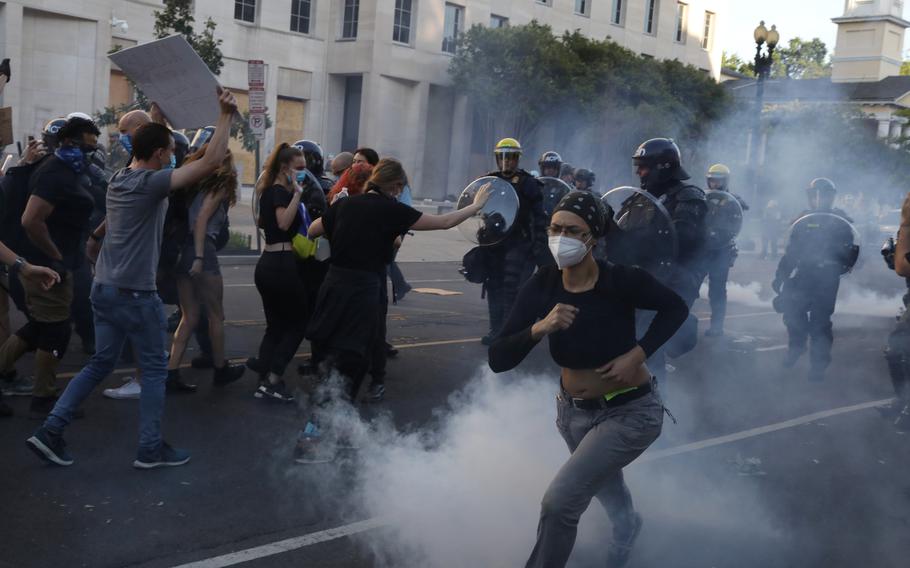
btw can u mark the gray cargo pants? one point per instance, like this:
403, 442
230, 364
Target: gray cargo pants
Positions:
602, 442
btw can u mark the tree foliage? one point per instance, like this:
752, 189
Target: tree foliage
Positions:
801, 59
580, 93
735, 62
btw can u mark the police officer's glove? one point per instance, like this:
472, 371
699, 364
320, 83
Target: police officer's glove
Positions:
776, 285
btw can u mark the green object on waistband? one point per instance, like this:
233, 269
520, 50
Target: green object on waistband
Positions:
611, 395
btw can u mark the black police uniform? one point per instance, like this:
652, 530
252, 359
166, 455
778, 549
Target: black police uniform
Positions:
807, 301
511, 262
718, 263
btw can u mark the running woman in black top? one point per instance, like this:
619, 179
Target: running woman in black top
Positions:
608, 410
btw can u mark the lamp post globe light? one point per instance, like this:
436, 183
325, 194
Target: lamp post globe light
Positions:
763, 61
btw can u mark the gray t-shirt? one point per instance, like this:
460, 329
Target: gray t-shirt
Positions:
136, 206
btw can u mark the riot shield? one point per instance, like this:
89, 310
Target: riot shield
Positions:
554, 189
642, 233
724, 219
824, 240
490, 225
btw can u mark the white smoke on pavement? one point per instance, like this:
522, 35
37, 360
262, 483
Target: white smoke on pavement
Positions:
468, 492
852, 298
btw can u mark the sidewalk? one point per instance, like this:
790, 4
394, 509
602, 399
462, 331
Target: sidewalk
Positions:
423, 246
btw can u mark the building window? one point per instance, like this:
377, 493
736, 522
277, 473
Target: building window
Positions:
454, 24
682, 14
709, 25
618, 13
349, 18
401, 30
583, 7
245, 10
651, 17
497, 22
300, 16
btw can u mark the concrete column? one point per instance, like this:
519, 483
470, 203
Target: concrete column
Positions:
419, 123
884, 127
460, 151
896, 128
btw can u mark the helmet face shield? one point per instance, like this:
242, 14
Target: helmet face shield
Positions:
507, 160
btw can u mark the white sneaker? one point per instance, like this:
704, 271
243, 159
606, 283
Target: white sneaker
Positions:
130, 389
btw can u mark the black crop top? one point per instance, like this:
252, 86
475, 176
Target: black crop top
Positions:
273, 197
604, 327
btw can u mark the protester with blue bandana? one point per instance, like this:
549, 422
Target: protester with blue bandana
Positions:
56, 220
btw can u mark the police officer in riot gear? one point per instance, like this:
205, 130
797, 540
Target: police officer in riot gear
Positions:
567, 173
658, 164
584, 179
822, 247
721, 250
315, 162
897, 353
512, 261
549, 164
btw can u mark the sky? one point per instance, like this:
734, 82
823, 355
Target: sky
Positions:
806, 19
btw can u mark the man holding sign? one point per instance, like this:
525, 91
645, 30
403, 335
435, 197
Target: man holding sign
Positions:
124, 294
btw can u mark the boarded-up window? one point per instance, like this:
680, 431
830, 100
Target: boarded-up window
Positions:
289, 120
121, 92
245, 161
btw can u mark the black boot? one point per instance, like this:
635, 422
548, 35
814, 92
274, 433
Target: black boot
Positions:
227, 374
175, 384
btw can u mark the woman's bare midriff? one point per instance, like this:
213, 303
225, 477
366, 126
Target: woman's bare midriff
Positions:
586, 383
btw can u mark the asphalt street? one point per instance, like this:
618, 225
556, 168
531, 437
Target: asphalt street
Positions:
756, 473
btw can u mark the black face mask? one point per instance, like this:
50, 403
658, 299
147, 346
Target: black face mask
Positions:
88, 151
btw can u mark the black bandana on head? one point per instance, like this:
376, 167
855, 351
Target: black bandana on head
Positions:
587, 206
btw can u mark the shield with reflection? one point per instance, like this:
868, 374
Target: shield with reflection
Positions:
642, 233
724, 219
554, 189
824, 240
490, 225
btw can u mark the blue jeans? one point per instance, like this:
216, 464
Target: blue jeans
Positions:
119, 315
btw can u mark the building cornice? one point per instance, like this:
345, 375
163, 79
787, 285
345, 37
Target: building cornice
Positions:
861, 19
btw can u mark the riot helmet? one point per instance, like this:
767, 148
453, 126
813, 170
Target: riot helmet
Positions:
550, 164
315, 159
181, 147
49, 134
507, 153
718, 177
662, 162
821, 193
201, 138
567, 173
584, 179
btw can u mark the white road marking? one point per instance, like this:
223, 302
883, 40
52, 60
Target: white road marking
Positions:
772, 348
286, 545
740, 316
376, 522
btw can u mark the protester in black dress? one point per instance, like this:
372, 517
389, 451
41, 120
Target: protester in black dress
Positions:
363, 231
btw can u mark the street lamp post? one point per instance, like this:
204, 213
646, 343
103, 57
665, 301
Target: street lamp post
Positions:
762, 70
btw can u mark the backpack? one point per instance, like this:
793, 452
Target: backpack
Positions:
474, 265
14, 193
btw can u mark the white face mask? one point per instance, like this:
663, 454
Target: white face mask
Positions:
567, 251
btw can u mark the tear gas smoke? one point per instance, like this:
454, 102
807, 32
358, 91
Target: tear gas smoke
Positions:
467, 493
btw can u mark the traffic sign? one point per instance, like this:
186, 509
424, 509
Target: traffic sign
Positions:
255, 72
257, 99
257, 124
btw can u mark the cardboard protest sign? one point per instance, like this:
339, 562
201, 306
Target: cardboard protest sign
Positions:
6, 126
173, 75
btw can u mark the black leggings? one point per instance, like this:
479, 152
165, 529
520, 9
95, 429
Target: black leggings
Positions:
284, 301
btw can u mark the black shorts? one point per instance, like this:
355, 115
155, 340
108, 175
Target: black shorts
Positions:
209, 259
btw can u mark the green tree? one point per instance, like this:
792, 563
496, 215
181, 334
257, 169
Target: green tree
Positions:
177, 18
905, 68
735, 62
802, 60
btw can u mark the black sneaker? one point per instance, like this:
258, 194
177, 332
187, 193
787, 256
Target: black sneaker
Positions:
49, 447
175, 383
227, 374
390, 351
486, 339
203, 361
621, 548
376, 392
277, 392
164, 456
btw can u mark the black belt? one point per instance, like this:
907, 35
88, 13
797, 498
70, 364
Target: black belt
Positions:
133, 293
600, 403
